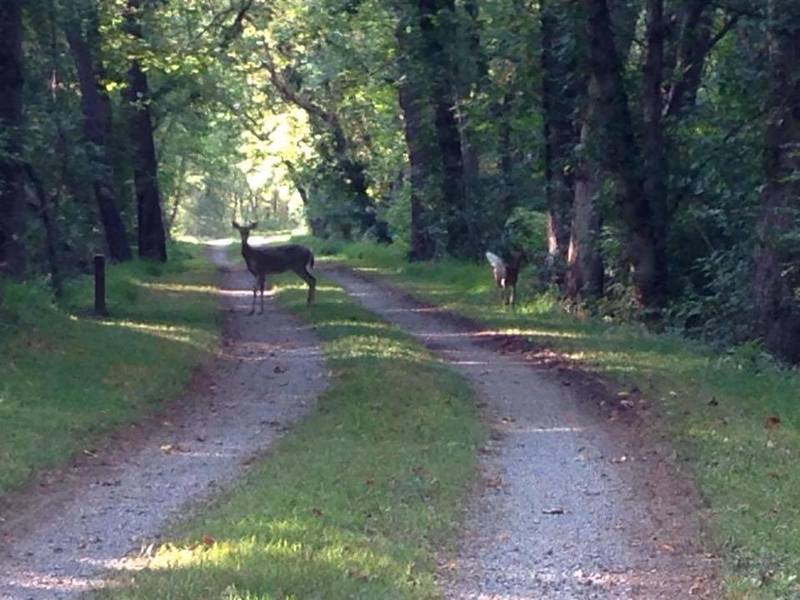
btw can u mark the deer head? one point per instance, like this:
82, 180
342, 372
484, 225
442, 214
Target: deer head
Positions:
244, 230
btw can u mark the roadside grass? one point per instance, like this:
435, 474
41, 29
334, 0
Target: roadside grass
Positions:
715, 405
67, 376
354, 500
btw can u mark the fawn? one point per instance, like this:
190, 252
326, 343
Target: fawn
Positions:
506, 274
262, 261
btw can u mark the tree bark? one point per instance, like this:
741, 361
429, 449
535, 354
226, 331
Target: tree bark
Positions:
558, 108
776, 279
12, 251
96, 108
420, 145
584, 275
614, 146
654, 186
151, 235
436, 17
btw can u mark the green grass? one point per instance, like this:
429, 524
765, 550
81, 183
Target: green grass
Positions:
66, 376
352, 503
713, 404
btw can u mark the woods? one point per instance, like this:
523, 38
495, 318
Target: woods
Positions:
656, 139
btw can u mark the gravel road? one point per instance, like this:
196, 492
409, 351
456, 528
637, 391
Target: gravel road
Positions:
570, 504
69, 528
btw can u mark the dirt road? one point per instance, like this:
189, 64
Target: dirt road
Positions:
571, 505
69, 528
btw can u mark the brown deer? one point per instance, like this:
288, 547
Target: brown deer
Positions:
265, 260
506, 274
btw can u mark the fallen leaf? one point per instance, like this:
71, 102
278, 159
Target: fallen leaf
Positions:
553, 511
772, 422
316, 512
279, 369
208, 540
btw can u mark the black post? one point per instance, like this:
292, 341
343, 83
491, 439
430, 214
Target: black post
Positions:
100, 285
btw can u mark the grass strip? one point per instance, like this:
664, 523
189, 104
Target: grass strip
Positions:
352, 502
66, 376
719, 407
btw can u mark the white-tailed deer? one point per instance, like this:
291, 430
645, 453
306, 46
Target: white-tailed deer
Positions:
506, 274
264, 260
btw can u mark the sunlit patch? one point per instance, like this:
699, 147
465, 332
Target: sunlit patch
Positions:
376, 347
178, 287
174, 333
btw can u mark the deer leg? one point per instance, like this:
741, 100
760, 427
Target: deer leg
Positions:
255, 291
512, 295
261, 286
310, 280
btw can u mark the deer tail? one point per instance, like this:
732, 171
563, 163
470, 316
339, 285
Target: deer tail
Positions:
310, 264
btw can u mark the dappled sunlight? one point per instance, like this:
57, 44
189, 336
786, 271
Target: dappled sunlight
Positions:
282, 554
360, 346
178, 287
27, 583
173, 333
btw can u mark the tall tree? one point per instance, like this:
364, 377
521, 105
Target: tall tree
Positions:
777, 276
437, 24
151, 234
12, 254
420, 142
96, 108
614, 146
559, 95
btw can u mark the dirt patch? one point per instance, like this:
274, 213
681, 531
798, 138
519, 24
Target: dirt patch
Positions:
578, 494
70, 527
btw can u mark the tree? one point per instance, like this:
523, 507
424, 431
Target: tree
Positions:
12, 254
151, 234
777, 276
614, 146
559, 106
96, 107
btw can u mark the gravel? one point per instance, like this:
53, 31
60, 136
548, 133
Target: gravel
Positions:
568, 504
70, 528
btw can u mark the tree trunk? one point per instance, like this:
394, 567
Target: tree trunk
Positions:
584, 276
12, 251
558, 107
654, 185
96, 108
436, 20
420, 147
151, 235
614, 147
777, 278
695, 33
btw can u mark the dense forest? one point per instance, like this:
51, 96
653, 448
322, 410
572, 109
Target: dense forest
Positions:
654, 141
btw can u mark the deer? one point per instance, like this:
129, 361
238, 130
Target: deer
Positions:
506, 274
265, 260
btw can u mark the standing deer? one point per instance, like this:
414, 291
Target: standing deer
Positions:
506, 274
262, 261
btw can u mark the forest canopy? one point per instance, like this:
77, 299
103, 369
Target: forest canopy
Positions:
642, 153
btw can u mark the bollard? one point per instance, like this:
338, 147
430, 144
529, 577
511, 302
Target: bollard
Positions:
100, 285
